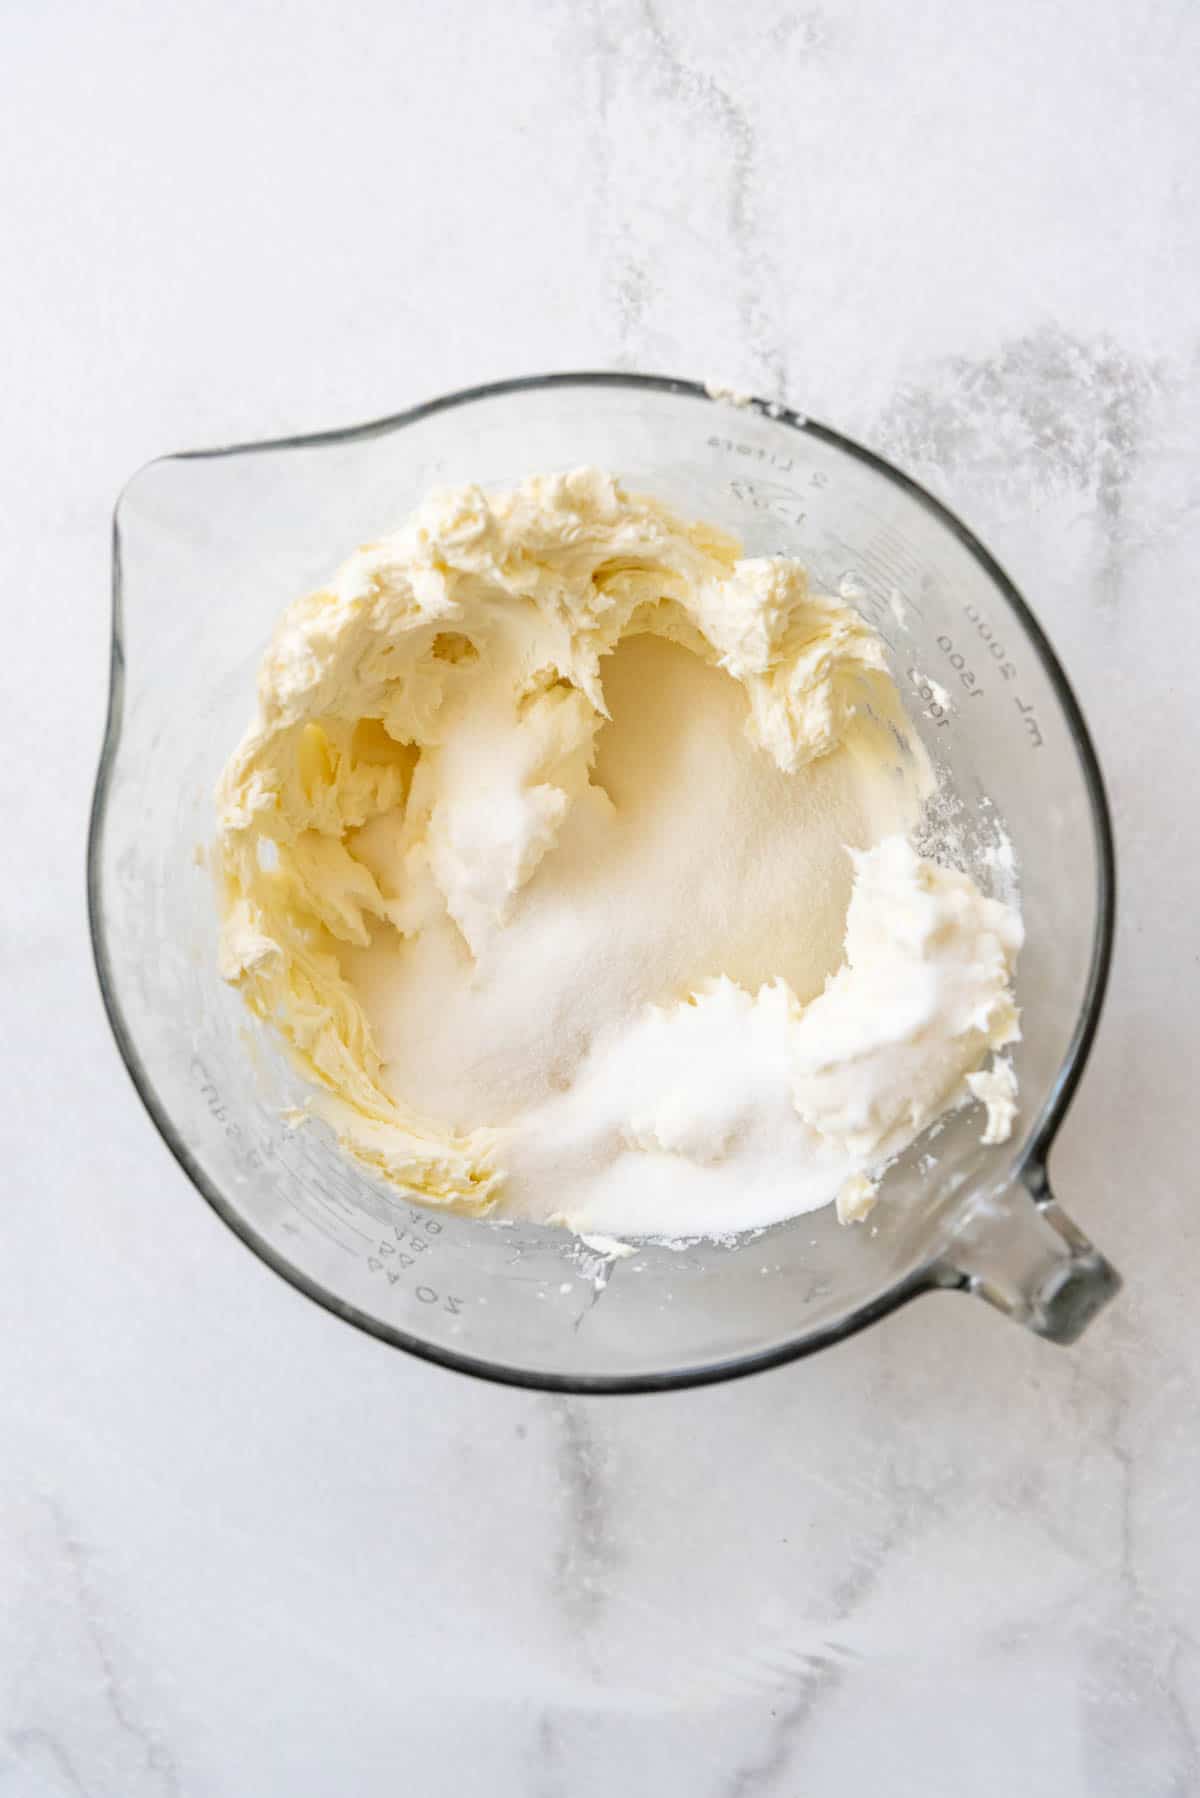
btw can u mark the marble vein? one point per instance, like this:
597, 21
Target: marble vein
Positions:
761, 1775
637, 50
587, 1546
151, 1768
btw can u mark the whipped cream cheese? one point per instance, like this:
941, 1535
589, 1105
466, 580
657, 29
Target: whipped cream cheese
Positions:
568, 854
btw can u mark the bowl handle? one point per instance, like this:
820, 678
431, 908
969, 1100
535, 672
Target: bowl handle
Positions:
1024, 1255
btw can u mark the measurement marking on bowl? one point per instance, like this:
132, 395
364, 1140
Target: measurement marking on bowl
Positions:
211, 1094
1007, 669
870, 600
756, 452
410, 1249
780, 502
958, 662
412, 1240
881, 582
929, 699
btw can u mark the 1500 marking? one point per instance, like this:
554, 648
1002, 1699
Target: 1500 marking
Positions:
996, 650
958, 661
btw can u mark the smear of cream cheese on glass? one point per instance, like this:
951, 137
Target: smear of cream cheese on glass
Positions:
568, 853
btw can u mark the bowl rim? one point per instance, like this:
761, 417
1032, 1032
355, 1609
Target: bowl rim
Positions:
928, 1276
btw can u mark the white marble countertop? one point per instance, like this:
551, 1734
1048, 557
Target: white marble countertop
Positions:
245, 1550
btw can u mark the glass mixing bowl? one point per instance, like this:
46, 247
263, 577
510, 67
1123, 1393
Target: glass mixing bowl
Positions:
208, 550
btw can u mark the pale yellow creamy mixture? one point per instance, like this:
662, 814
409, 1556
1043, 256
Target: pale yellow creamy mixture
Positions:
569, 854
